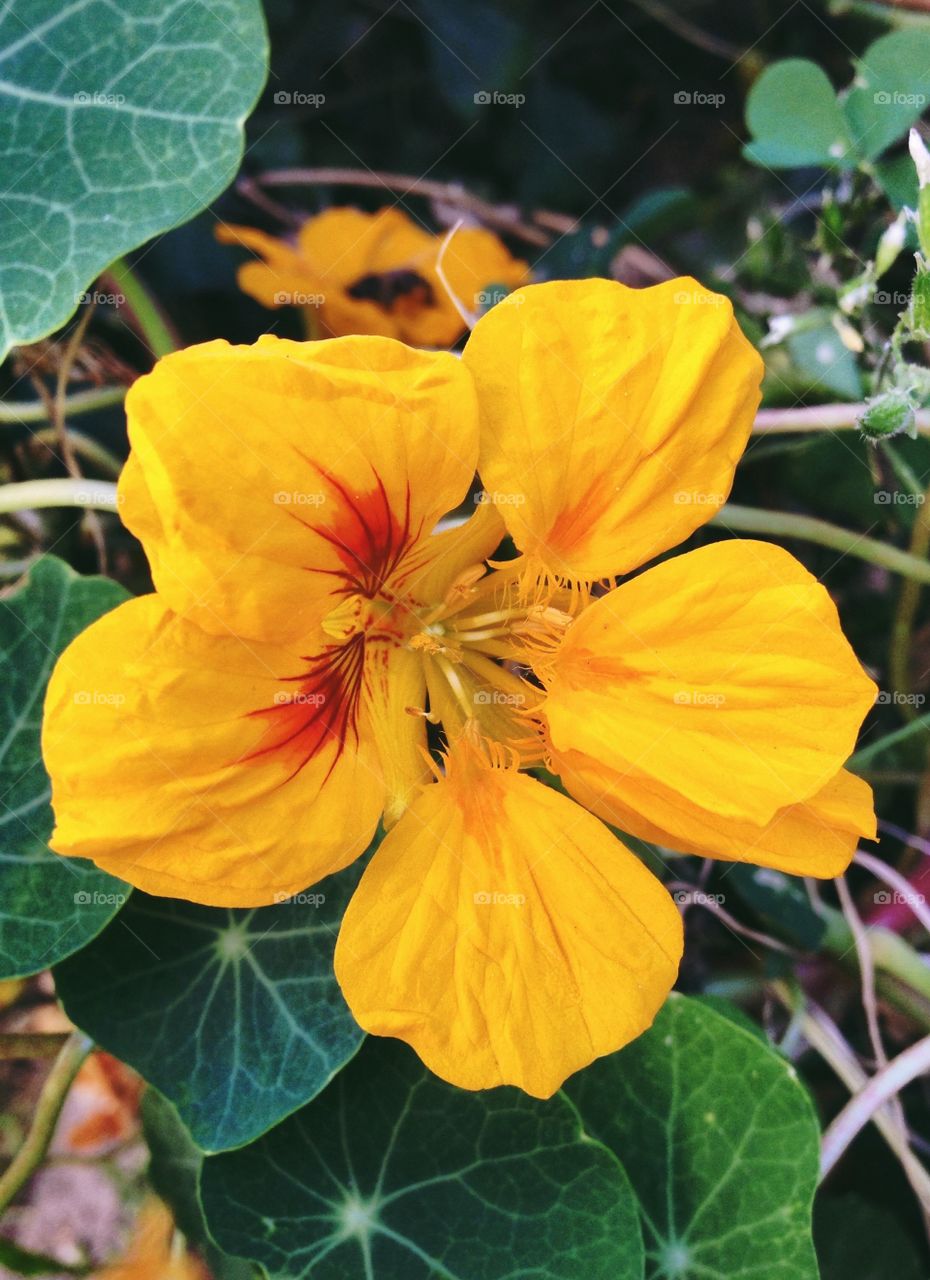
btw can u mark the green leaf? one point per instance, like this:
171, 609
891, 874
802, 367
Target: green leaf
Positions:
474, 53
25, 1263
393, 1173
856, 1238
823, 364
174, 1172
116, 123
235, 1015
897, 177
890, 92
781, 901
49, 906
720, 1142
795, 118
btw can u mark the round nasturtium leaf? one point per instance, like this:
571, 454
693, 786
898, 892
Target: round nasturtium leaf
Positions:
391, 1172
890, 91
720, 1142
795, 118
49, 906
117, 121
234, 1014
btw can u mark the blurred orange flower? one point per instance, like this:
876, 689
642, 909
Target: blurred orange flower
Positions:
152, 1253
356, 272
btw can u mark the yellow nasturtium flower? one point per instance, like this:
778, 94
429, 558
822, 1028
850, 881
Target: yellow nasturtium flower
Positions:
356, 272
238, 735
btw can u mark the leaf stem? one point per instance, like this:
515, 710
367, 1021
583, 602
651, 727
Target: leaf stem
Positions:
785, 524
51, 1100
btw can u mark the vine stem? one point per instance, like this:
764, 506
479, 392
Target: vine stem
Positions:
819, 417
785, 524
881, 1088
27, 1044
51, 1100
823, 1035
84, 446
29, 495
504, 218
899, 656
151, 322
14, 413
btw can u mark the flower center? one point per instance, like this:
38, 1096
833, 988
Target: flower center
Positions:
479, 647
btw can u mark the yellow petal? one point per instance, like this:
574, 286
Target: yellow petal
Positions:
275, 251
474, 260
442, 559
345, 244
206, 768
352, 251
395, 687
505, 934
722, 675
611, 418
281, 277
817, 837
267, 482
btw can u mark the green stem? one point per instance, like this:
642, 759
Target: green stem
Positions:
152, 323
15, 414
891, 955
863, 758
51, 1100
24, 1044
88, 448
785, 524
819, 417
894, 15
30, 495
899, 658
